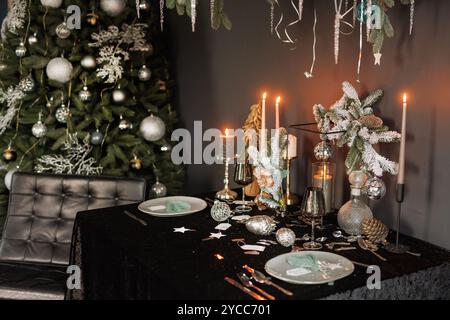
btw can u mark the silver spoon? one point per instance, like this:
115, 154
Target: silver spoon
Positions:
261, 278
338, 234
249, 284
321, 239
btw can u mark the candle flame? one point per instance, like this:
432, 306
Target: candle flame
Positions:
278, 100
226, 132
219, 256
405, 98
264, 95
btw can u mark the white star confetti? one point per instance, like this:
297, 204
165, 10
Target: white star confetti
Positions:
182, 230
377, 57
217, 235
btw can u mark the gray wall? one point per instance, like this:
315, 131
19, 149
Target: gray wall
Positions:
220, 74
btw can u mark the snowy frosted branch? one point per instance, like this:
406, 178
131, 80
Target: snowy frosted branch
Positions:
15, 20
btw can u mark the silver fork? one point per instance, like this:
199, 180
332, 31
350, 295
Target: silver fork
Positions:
249, 284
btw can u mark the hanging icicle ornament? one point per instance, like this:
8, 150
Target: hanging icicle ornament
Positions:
212, 5
368, 18
360, 45
138, 10
272, 16
337, 27
193, 14
310, 73
300, 9
411, 16
161, 14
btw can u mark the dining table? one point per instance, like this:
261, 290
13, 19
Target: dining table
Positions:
124, 253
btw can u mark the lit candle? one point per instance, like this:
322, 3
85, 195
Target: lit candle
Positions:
277, 113
263, 134
401, 171
292, 147
323, 178
229, 144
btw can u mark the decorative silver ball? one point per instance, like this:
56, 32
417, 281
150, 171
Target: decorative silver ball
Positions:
118, 96
152, 128
60, 70
85, 95
96, 138
220, 211
144, 73
52, 3
158, 190
32, 40
62, 113
124, 124
113, 7
375, 188
63, 31
144, 5
285, 237
89, 62
21, 50
3, 67
166, 147
261, 225
323, 151
28, 84
39, 129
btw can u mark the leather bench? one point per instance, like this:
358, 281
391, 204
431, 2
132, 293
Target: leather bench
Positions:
35, 244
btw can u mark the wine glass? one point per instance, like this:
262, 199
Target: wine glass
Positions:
243, 176
313, 206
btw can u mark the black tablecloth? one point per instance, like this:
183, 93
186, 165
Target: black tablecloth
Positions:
122, 259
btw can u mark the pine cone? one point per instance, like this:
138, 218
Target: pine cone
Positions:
371, 121
375, 230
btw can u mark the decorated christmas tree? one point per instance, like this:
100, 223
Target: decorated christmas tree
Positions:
85, 89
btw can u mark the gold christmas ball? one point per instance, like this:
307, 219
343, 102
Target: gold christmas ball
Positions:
9, 155
92, 19
136, 163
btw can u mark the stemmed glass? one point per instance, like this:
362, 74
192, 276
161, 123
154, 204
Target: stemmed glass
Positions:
313, 206
243, 176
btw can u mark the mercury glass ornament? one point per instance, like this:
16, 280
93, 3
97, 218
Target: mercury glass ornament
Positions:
144, 5
220, 211
118, 96
21, 50
158, 190
9, 155
62, 113
85, 95
352, 214
96, 138
88, 63
63, 31
124, 124
144, 73
261, 225
113, 7
39, 129
59, 69
92, 19
152, 128
166, 147
29, 84
52, 3
375, 188
285, 237
32, 40
323, 151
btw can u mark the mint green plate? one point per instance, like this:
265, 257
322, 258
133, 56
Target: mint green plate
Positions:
157, 207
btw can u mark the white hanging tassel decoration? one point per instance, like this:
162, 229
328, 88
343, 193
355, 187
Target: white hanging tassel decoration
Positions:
337, 31
193, 14
138, 10
369, 18
310, 73
212, 5
161, 14
411, 16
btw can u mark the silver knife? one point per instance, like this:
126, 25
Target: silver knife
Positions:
132, 216
246, 290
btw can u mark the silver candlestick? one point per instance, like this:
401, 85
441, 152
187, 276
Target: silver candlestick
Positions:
397, 247
226, 193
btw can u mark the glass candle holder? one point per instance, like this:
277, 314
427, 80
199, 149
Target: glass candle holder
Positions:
323, 176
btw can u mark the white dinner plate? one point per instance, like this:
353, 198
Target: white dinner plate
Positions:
278, 267
156, 207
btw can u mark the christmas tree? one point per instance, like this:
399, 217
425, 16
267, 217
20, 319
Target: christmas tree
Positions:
85, 89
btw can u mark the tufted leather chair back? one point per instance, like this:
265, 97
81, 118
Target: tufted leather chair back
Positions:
42, 210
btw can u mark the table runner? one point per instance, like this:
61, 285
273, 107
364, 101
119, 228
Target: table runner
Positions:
122, 259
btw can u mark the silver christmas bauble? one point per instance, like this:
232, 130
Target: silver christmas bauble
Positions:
166, 147
375, 188
88, 62
144, 5
32, 40
323, 151
285, 237
85, 95
113, 7
63, 31
124, 124
152, 128
220, 211
28, 84
8, 178
21, 50
52, 3
59, 69
118, 96
62, 113
96, 138
3, 67
144, 73
261, 225
158, 190
39, 129
50, 102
